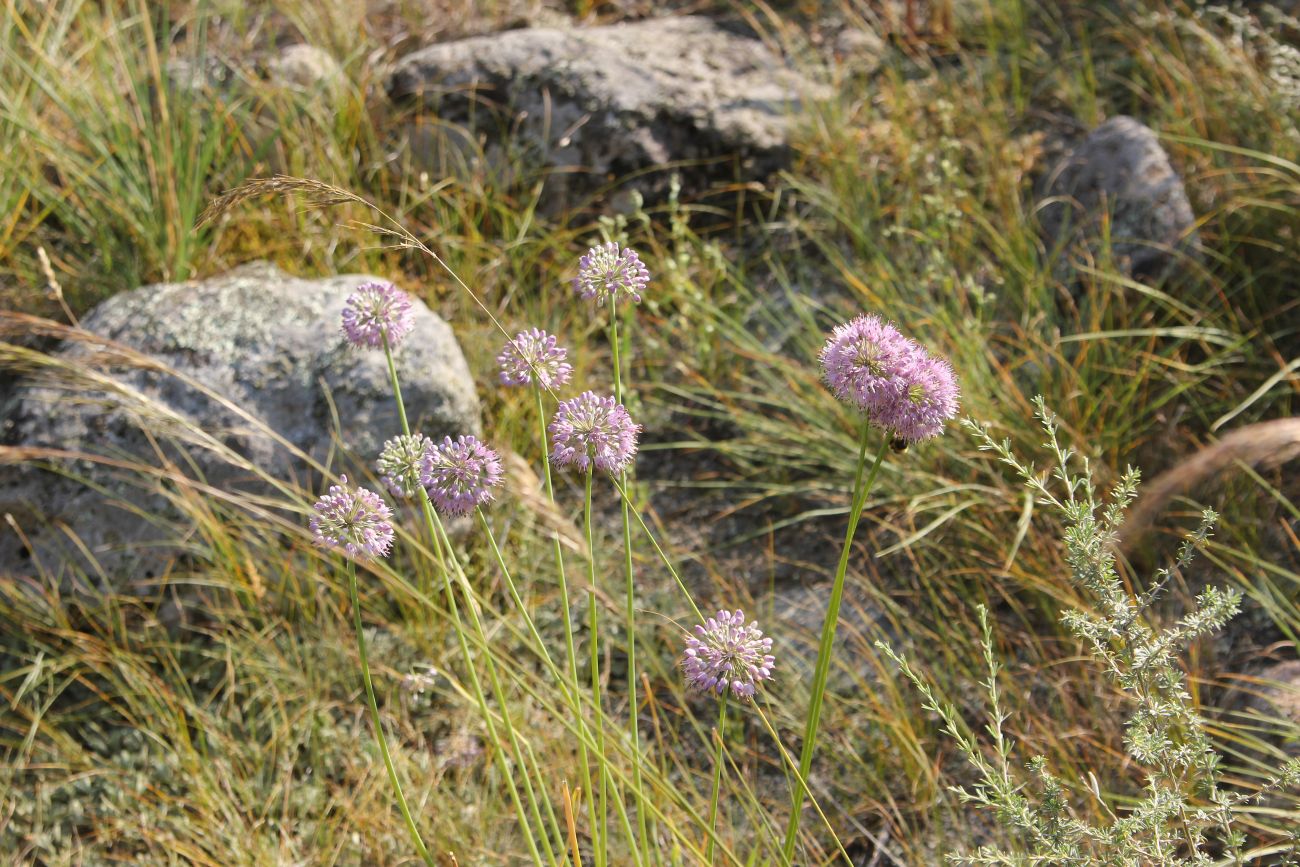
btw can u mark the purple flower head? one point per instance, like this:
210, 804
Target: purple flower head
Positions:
927, 399
532, 356
400, 461
590, 429
374, 310
892, 379
862, 360
460, 474
726, 654
353, 519
607, 272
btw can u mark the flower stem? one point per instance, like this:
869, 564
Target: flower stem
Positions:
634, 706
431, 525
571, 648
598, 826
860, 492
375, 720
717, 780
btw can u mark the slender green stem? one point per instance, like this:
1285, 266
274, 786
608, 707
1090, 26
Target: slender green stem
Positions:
598, 826
634, 706
397, 389
431, 525
571, 648
375, 720
717, 780
499, 693
860, 492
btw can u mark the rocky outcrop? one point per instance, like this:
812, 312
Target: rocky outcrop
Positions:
237, 383
1121, 175
600, 103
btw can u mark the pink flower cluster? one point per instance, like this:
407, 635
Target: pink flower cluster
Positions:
725, 653
894, 380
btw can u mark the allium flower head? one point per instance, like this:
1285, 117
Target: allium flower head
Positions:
400, 461
353, 519
460, 474
533, 356
927, 399
374, 310
590, 429
862, 360
892, 379
726, 654
608, 272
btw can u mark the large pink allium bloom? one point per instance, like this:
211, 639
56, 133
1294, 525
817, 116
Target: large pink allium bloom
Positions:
892, 379
861, 361
928, 398
533, 356
609, 272
590, 429
460, 474
376, 310
400, 463
354, 520
726, 654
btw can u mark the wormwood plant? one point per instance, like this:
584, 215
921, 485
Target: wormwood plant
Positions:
1185, 815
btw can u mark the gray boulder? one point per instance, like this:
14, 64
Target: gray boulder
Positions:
234, 382
598, 103
1120, 169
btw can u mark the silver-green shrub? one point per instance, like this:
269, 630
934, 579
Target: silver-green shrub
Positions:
1184, 815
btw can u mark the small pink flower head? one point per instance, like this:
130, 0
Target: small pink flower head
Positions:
353, 519
460, 474
726, 654
592, 430
928, 397
400, 463
376, 310
861, 361
533, 356
607, 272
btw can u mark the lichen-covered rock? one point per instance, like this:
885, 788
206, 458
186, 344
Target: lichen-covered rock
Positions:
1120, 170
235, 381
305, 68
602, 102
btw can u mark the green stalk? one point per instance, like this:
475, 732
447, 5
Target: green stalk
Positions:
377, 724
643, 835
598, 827
717, 781
430, 521
860, 492
571, 648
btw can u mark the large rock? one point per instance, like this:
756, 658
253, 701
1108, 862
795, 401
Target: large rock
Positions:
236, 376
1121, 171
599, 103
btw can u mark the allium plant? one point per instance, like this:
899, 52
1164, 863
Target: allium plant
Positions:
460, 474
590, 430
534, 357
400, 463
898, 387
727, 654
1184, 816
607, 272
375, 313
354, 520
